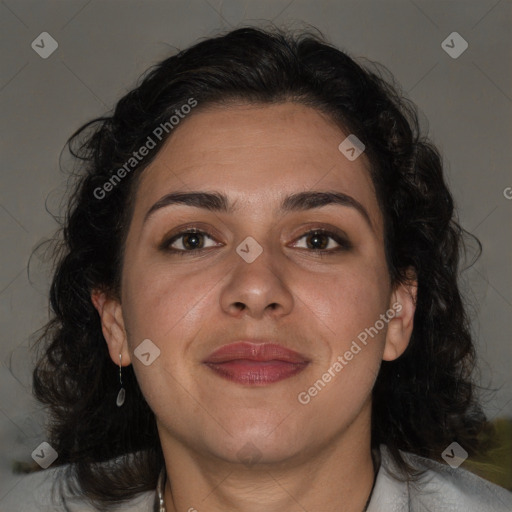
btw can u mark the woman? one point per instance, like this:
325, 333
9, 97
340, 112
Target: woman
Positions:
256, 304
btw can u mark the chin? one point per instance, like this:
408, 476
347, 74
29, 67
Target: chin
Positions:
260, 442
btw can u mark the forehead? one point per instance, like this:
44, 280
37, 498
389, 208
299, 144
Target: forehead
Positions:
256, 154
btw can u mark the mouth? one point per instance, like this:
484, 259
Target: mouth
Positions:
255, 364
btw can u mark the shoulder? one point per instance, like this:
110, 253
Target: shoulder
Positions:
40, 492
438, 488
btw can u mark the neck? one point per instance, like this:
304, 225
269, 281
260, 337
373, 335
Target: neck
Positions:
339, 476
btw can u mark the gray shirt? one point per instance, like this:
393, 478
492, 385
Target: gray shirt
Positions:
440, 489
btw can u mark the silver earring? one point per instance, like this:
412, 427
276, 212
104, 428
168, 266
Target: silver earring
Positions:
122, 392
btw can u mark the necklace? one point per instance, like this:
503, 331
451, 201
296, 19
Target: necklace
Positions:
160, 503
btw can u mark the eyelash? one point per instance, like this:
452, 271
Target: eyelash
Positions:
343, 243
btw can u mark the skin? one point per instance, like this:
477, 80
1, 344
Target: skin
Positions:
311, 457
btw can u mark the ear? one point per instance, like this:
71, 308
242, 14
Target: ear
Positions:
403, 304
112, 326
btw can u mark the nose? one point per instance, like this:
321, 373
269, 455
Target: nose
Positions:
258, 288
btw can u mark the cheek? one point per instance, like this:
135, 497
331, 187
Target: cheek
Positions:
346, 301
349, 305
168, 308
161, 302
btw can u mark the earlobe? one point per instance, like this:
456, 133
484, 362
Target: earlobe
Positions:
112, 326
400, 327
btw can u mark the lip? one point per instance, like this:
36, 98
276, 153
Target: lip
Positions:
255, 364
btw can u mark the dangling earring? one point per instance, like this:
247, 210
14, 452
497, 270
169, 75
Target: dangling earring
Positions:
122, 392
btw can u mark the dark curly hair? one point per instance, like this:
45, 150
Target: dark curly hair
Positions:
422, 401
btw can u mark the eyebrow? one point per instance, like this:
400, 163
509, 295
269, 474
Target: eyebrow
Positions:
219, 202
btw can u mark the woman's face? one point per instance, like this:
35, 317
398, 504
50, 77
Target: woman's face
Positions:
260, 277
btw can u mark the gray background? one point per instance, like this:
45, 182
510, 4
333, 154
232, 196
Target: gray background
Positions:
105, 45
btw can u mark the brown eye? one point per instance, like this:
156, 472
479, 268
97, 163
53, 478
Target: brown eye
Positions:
187, 241
192, 240
324, 241
317, 241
